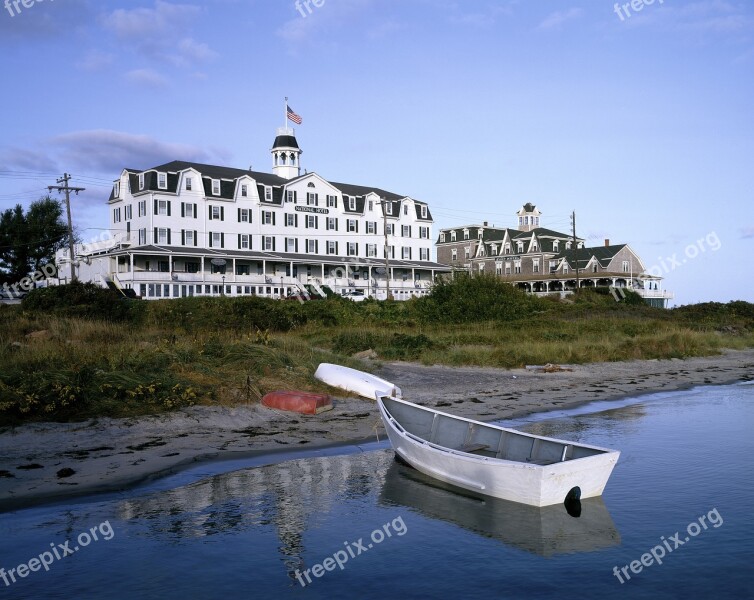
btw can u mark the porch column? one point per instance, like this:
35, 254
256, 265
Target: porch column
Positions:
203, 275
233, 263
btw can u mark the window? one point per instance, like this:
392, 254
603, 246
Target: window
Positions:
215, 187
217, 213
332, 224
520, 221
352, 248
311, 246
534, 246
565, 268
467, 252
452, 236
424, 233
625, 266
291, 220
351, 203
405, 230
517, 266
244, 215
507, 248
594, 267
142, 208
162, 207
555, 245
189, 238
141, 181
371, 205
163, 266
568, 245
424, 212
371, 250
406, 253
188, 184
498, 268
466, 234
216, 240
191, 267
519, 247
162, 236
332, 247
535, 266
352, 226
423, 253
268, 193
391, 228
454, 254
312, 199
405, 209
268, 217
244, 241
162, 181
371, 226
493, 249
188, 209
291, 245
142, 237
332, 201
116, 215
290, 196
129, 213
312, 222
442, 237
481, 267
268, 242
116, 189
389, 208
553, 266
244, 190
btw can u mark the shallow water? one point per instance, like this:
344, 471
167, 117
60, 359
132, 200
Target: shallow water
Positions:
247, 533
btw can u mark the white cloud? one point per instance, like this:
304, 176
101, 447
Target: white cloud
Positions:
747, 233
556, 19
95, 61
141, 23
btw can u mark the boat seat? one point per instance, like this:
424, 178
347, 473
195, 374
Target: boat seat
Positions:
540, 462
473, 447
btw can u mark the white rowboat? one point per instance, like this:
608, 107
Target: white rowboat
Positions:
494, 461
352, 380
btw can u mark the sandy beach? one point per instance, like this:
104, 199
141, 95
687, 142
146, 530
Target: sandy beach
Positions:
113, 454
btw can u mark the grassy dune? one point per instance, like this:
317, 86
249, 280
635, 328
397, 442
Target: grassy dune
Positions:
69, 354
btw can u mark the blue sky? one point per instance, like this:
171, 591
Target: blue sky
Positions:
642, 123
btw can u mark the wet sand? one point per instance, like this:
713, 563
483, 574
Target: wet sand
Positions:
114, 454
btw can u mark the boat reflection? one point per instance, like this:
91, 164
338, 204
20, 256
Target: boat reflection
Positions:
545, 531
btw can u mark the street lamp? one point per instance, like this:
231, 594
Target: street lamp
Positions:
222, 290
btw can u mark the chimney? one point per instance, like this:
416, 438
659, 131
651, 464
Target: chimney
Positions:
607, 242
485, 223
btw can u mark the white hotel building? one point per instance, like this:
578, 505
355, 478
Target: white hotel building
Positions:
187, 229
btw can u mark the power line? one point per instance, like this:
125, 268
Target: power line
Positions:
67, 189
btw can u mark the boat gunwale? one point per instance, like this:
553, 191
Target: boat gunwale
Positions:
489, 459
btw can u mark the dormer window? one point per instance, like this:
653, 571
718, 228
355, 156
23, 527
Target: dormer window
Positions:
424, 212
351, 203
141, 181
188, 184
215, 187
568, 245
162, 181
555, 245
389, 208
520, 247
371, 205
466, 234
268, 193
244, 190
507, 248
442, 237
452, 236
405, 209
116, 189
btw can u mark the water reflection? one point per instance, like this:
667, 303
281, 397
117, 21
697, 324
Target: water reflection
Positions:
544, 531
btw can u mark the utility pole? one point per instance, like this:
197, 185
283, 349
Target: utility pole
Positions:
65, 188
387, 262
575, 248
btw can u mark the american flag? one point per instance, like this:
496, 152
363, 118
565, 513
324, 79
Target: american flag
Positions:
293, 116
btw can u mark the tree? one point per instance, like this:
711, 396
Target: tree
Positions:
28, 241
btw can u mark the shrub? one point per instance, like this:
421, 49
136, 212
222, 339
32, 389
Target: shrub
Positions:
83, 300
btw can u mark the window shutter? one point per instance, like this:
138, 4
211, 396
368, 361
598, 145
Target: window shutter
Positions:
294, 197
195, 211
154, 240
210, 212
183, 237
169, 203
306, 222
316, 222
239, 215
316, 246
273, 218
295, 220
295, 244
196, 238
168, 233
183, 209
273, 244
357, 248
155, 206
222, 213
336, 245
357, 225
209, 237
222, 240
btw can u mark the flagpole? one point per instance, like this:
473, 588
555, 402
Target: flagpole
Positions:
285, 126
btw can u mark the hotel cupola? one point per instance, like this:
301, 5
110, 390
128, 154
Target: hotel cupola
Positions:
286, 155
528, 217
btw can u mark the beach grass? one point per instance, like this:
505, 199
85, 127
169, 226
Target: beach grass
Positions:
96, 355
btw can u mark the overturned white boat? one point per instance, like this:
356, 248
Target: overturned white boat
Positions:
493, 460
353, 380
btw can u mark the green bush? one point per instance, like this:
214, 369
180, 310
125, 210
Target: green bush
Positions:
83, 300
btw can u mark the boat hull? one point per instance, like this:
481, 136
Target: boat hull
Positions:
304, 403
358, 382
528, 483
